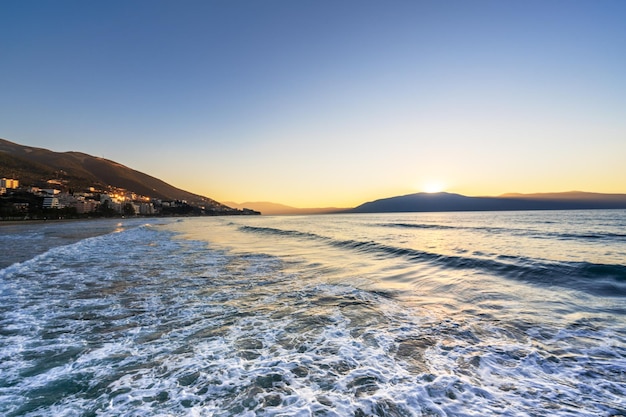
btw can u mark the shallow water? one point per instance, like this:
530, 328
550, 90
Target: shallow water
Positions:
430, 314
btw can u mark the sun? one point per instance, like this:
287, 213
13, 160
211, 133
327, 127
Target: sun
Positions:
433, 187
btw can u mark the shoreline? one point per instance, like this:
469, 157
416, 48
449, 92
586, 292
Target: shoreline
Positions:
34, 221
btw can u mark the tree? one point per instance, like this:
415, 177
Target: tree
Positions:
106, 210
128, 209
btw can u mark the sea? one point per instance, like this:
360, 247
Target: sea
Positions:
412, 314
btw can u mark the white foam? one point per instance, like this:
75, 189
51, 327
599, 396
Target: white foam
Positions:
143, 324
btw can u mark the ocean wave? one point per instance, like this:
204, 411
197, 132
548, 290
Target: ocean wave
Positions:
144, 322
612, 236
67, 251
416, 226
268, 347
597, 279
281, 232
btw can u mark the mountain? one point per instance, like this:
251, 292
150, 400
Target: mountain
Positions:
268, 208
76, 170
568, 196
423, 202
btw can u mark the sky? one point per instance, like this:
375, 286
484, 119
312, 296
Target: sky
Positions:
325, 103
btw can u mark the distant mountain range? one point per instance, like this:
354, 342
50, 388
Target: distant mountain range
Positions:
37, 166
281, 209
433, 202
422, 202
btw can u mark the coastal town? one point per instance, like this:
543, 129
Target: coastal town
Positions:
56, 201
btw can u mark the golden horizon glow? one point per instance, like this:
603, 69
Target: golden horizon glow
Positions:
432, 187
360, 196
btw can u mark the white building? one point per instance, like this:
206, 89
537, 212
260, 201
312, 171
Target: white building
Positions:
86, 206
147, 209
9, 183
50, 191
51, 202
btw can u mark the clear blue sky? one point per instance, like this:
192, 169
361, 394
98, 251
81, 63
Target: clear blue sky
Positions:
315, 103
